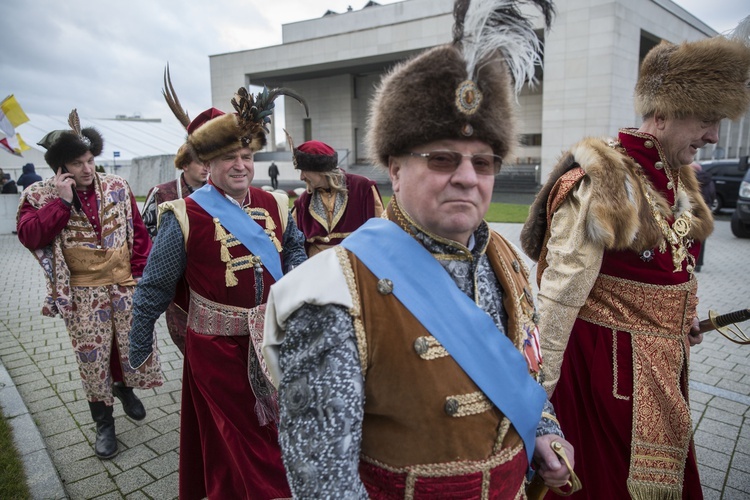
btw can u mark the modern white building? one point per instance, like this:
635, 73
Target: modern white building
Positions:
591, 61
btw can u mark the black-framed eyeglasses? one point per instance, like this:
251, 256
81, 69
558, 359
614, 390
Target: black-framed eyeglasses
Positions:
448, 161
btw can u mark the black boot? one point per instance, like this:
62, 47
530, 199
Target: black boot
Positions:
106, 441
130, 402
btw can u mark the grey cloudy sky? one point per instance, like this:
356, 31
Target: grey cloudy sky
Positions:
106, 57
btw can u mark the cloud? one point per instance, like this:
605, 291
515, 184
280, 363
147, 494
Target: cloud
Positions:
107, 58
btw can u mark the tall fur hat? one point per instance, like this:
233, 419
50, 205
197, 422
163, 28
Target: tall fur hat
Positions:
64, 146
315, 156
245, 128
707, 78
462, 90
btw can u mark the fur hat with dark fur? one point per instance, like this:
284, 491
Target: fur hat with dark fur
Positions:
461, 90
416, 104
64, 146
707, 79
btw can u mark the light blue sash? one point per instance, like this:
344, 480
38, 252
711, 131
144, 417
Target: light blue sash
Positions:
468, 333
242, 227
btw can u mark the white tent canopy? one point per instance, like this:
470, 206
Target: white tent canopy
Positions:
130, 138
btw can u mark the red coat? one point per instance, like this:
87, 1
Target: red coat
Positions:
224, 451
359, 206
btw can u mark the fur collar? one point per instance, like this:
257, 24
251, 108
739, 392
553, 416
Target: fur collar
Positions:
619, 215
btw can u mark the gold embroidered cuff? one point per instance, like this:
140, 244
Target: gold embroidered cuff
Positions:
550, 417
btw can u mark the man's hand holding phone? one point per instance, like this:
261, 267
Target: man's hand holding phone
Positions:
66, 186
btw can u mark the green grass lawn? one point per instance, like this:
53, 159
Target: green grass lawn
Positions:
12, 476
498, 212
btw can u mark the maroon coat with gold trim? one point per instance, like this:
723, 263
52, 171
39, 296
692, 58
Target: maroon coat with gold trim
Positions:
359, 207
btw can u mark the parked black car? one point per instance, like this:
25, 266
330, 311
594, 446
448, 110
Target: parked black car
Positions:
741, 215
727, 176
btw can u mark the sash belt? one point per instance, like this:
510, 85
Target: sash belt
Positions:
207, 317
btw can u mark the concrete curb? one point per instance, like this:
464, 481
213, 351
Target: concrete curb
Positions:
41, 475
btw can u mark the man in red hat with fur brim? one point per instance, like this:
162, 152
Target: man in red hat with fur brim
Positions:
85, 230
406, 356
335, 202
616, 231
230, 242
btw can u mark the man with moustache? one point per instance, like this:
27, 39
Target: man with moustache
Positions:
230, 242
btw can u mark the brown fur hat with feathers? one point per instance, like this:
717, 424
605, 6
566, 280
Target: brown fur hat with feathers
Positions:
707, 79
64, 146
461, 90
223, 135
246, 128
416, 104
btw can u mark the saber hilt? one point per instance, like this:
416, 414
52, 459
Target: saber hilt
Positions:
713, 322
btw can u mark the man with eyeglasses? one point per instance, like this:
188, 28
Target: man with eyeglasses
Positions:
406, 357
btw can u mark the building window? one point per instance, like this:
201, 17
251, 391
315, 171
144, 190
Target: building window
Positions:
531, 139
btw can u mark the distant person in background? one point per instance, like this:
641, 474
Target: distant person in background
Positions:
708, 191
273, 173
28, 177
336, 203
9, 186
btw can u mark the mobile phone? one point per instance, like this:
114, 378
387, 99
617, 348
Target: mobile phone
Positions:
76, 200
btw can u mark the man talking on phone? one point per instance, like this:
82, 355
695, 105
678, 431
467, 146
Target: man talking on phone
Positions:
85, 230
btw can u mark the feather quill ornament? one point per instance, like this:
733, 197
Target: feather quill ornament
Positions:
75, 125
172, 101
255, 111
74, 122
485, 28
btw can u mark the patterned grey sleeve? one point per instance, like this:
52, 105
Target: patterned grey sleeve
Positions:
148, 213
548, 424
293, 253
321, 397
165, 266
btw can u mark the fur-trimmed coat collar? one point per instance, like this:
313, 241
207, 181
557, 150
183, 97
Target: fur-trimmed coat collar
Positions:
619, 216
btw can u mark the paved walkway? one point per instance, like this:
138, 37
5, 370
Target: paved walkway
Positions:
55, 433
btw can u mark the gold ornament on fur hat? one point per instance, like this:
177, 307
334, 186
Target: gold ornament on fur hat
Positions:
460, 90
707, 78
245, 128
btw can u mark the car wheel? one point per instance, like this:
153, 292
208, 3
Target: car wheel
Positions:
739, 228
717, 205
